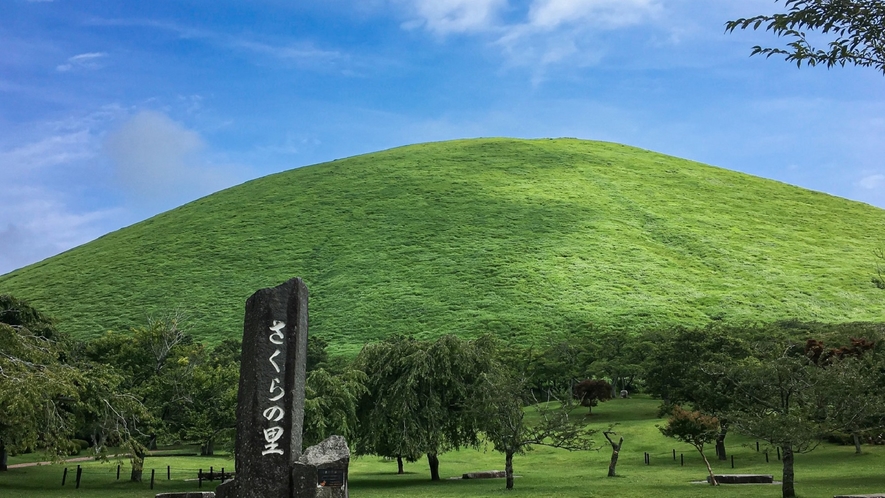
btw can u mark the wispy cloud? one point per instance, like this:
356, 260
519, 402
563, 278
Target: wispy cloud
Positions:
49, 151
547, 32
872, 182
298, 52
55, 173
594, 14
91, 60
302, 51
444, 17
47, 167
37, 225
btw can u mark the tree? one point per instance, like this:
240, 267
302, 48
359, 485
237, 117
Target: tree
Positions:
211, 399
616, 451
851, 386
620, 356
591, 391
777, 398
558, 365
501, 405
693, 428
317, 356
420, 395
37, 387
331, 402
854, 400
856, 29
112, 416
157, 364
685, 369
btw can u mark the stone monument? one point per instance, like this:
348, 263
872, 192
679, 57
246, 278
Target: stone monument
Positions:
270, 405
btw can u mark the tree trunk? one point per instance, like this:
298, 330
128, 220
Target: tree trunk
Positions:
152, 444
3, 457
433, 461
508, 468
98, 440
856, 438
707, 463
137, 466
720, 442
208, 449
399, 465
789, 490
616, 451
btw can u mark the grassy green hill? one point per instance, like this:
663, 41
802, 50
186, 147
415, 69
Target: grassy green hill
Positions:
518, 237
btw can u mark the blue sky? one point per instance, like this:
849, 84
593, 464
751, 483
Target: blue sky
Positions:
111, 112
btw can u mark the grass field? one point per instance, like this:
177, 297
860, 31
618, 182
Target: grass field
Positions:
545, 472
517, 237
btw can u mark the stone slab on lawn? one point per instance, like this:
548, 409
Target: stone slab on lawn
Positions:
743, 478
485, 474
188, 494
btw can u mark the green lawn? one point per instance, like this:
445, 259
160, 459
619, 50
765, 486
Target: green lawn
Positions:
518, 237
544, 472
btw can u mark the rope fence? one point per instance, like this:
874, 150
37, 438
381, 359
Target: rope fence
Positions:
179, 473
647, 457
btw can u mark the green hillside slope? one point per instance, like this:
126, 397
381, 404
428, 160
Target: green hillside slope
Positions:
519, 237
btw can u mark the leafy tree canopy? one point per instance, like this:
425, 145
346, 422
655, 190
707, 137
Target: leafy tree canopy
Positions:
693, 428
37, 388
856, 29
420, 394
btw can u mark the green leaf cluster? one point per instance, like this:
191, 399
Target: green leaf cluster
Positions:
857, 29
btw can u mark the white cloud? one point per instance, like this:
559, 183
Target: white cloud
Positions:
63, 179
159, 162
47, 168
443, 17
49, 151
303, 52
89, 60
599, 14
559, 31
872, 182
38, 226
545, 33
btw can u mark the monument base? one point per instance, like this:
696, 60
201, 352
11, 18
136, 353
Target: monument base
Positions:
321, 472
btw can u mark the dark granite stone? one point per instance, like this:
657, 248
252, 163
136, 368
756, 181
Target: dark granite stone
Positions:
304, 480
227, 489
270, 402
